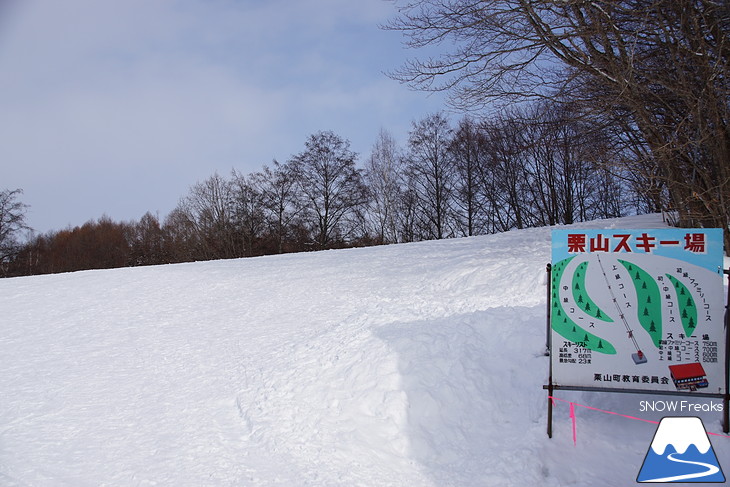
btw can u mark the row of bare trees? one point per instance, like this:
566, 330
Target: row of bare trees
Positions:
524, 168
657, 71
527, 167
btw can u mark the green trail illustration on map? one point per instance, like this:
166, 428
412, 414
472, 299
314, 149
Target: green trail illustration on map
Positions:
648, 306
581, 297
687, 308
648, 301
565, 326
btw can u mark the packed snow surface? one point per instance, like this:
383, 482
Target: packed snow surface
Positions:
406, 365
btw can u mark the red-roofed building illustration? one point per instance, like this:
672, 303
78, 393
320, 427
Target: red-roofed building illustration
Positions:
688, 376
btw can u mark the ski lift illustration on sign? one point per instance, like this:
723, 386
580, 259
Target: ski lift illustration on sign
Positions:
639, 357
688, 376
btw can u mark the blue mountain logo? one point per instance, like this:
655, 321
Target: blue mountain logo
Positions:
680, 452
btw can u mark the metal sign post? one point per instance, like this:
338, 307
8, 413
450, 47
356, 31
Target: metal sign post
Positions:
726, 400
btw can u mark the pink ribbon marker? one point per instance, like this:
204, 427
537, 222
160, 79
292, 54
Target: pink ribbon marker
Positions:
573, 420
572, 417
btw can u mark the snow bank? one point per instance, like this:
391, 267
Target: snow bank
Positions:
418, 364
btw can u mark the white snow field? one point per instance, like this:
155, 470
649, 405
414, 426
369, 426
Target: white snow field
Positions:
406, 365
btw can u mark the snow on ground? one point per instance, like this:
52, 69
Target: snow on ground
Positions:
418, 364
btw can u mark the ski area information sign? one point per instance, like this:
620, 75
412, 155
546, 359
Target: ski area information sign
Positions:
639, 310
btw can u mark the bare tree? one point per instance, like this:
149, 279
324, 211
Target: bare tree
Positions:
183, 241
12, 222
147, 241
331, 186
540, 165
469, 157
503, 176
664, 63
430, 167
281, 200
408, 217
383, 177
209, 209
560, 160
247, 211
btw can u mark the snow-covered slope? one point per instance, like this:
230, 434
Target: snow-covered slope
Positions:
418, 364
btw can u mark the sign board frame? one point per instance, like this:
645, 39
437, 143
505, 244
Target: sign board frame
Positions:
600, 327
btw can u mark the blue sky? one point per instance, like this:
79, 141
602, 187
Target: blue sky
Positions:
118, 107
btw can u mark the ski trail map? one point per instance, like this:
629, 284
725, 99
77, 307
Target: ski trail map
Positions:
638, 309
